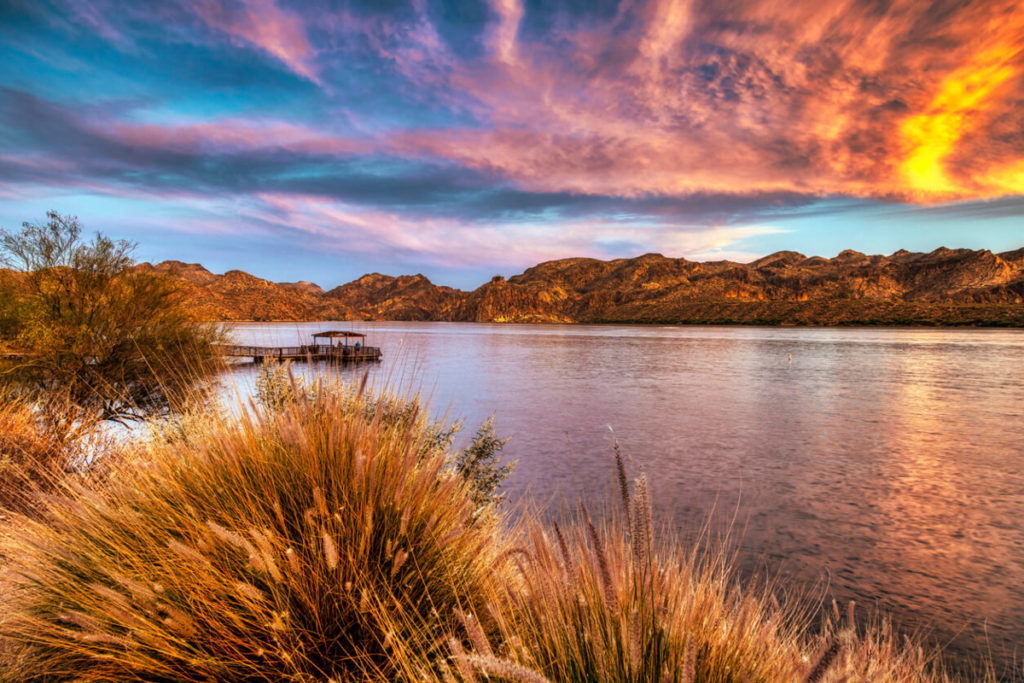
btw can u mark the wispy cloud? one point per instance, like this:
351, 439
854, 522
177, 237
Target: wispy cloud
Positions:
265, 25
506, 132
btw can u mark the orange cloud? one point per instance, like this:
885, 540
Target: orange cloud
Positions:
679, 97
674, 97
931, 136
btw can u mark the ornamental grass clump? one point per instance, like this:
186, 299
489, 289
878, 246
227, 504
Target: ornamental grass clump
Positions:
324, 534
608, 602
29, 455
316, 541
603, 601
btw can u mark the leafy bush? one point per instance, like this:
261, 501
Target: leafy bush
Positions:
480, 464
82, 322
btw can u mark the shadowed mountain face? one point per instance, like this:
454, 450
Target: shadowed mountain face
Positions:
946, 286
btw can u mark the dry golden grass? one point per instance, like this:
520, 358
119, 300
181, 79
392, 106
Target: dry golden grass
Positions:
329, 538
317, 541
39, 446
593, 606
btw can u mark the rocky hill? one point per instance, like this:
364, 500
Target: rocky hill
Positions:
946, 286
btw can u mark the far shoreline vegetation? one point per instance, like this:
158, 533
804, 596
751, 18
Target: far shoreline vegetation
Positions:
328, 531
999, 324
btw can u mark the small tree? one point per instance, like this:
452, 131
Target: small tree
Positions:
81, 320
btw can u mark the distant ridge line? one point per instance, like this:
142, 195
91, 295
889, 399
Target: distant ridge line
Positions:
942, 287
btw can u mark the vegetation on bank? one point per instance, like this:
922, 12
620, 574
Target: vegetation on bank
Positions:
78, 321
824, 313
327, 533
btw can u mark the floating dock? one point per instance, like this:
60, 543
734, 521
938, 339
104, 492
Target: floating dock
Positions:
343, 352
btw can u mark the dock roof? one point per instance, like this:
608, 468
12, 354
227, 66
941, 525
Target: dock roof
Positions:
336, 334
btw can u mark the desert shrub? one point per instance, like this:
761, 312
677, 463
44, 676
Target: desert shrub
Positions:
79, 320
314, 542
480, 464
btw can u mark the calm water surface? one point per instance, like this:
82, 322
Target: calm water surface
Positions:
888, 463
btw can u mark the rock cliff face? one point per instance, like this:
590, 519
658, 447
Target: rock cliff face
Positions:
236, 295
946, 286
382, 297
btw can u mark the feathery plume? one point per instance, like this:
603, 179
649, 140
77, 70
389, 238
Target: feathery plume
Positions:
503, 668
620, 469
602, 561
475, 631
823, 663
459, 655
330, 550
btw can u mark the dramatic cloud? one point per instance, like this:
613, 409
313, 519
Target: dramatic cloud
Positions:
499, 133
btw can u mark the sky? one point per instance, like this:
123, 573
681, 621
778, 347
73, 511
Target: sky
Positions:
323, 140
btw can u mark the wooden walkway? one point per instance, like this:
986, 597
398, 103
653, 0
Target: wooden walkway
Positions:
310, 352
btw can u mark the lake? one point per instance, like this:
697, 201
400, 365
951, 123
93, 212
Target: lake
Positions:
884, 466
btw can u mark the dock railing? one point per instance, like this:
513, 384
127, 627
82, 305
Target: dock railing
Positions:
310, 351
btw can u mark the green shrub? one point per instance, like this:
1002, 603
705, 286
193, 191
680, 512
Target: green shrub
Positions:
480, 464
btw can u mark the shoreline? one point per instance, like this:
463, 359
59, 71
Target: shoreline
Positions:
638, 323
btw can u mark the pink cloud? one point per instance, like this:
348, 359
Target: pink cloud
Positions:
233, 136
262, 23
337, 225
502, 34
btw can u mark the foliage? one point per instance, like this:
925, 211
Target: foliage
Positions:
86, 324
480, 464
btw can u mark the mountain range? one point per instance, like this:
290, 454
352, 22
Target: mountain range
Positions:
943, 287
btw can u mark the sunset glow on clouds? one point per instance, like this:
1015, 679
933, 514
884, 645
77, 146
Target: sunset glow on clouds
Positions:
463, 139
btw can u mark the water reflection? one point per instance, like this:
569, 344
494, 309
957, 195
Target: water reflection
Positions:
889, 461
